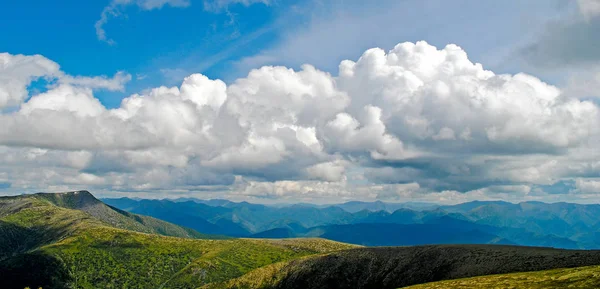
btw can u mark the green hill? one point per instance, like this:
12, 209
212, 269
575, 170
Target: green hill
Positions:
86, 202
581, 278
72, 240
394, 267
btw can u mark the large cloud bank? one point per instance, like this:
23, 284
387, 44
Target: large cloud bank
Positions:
415, 122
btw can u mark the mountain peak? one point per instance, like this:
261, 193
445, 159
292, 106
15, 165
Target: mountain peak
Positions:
71, 200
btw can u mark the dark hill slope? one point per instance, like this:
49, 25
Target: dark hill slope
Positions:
388, 267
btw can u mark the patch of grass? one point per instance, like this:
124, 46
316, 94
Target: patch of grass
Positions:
270, 276
111, 258
582, 277
313, 245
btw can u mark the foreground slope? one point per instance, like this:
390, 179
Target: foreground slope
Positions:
581, 277
71, 241
404, 266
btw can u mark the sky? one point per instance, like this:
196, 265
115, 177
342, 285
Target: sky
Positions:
281, 101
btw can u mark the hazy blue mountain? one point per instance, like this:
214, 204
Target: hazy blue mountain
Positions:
285, 205
257, 219
278, 233
240, 218
580, 223
444, 230
440, 230
357, 206
404, 235
189, 214
126, 204
468, 206
211, 202
560, 225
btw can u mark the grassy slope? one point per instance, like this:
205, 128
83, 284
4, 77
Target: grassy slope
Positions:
111, 258
49, 245
582, 277
84, 201
404, 266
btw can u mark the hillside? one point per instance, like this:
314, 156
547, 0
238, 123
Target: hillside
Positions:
85, 202
404, 266
580, 278
72, 240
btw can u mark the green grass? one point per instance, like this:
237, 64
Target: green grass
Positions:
264, 277
44, 243
113, 258
267, 274
582, 277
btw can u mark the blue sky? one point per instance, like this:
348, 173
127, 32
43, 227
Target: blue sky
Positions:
147, 42
167, 98
163, 45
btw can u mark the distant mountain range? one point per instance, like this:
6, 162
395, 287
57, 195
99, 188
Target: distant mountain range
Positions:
560, 225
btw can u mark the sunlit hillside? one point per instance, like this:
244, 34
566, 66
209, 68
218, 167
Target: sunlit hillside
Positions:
581, 278
46, 243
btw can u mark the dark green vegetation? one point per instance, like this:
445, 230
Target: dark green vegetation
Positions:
399, 267
559, 225
581, 278
72, 240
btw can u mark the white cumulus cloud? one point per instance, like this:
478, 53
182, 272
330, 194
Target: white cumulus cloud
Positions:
413, 121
